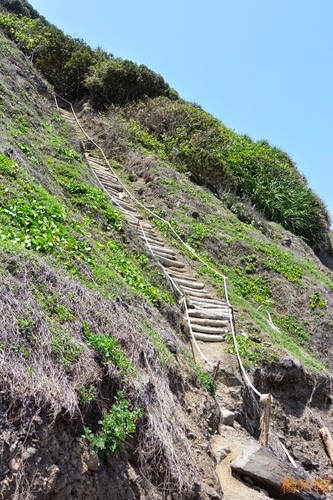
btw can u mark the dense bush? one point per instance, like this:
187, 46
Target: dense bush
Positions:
223, 160
117, 81
20, 7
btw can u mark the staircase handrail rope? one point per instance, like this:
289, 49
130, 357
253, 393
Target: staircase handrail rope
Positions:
182, 298
189, 248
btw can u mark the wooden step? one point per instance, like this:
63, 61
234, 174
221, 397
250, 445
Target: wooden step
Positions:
152, 240
176, 274
208, 329
111, 185
211, 322
104, 177
195, 313
206, 304
98, 161
190, 284
170, 263
162, 250
204, 337
125, 205
215, 301
193, 293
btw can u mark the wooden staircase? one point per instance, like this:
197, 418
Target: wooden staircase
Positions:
208, 316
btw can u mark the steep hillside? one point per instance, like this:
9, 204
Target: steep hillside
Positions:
103, 395
84, 314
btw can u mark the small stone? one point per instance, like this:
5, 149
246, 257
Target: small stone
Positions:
29, 452
14, 465
228, 417
172, 346
210, 492
93, 462
221, 454
12, 447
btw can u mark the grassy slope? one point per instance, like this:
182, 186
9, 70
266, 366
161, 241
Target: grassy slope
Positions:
70, 265
264, 274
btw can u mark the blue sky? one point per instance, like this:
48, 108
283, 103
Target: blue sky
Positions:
264, 67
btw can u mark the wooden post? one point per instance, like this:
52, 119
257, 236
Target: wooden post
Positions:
328, 442
216, 369
266, 400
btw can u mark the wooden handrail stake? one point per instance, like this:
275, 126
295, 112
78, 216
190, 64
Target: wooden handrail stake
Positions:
266, 400
328, 442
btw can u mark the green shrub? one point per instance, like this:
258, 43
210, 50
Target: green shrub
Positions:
7, 166
86, 394
116, 426
117, 81
65, 349
316, 302
126, 267
109, 350
207, 380
255, 288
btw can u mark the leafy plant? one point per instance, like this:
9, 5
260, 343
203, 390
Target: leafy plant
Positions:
116, 426
27, 151
256, 288
316, 302
247, 348
86, 394
8, 167
293, 326
109, 350
65, 349
207, 380
133, 276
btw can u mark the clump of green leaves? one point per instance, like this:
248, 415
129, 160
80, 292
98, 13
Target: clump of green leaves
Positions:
256, 288
27, 151
108, 349
93, 202
8, 167
86, 394
317, 302
126, 267
207, 380
199, 233
251, 263
281, 262
247, 348
293, 326
65, 349
116, 426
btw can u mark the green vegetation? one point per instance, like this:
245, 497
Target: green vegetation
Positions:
116, 426
128, 269
256, 288
317, 303
220, 159
74, 68
294, 327
207, 380
108, 349
180, 132
86, 394
65, 349
249, 350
